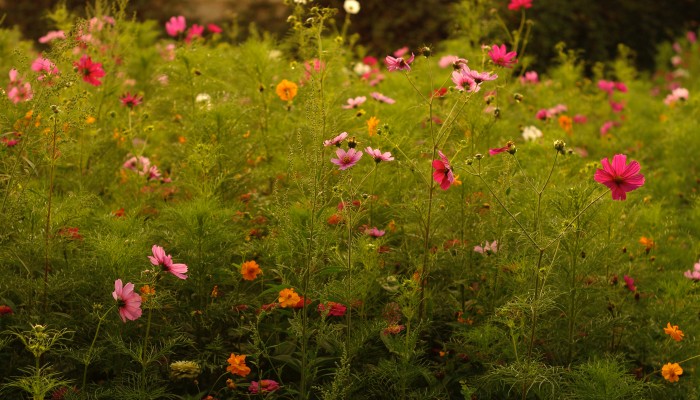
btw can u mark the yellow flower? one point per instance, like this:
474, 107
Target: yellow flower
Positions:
673, 331
671, 372
250, 270
237, 365
372, 125
286, 90
288, 298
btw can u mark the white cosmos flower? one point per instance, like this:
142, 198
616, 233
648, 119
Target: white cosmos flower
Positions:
351, 6
531, 133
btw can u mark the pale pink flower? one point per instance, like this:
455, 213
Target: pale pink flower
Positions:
676, 95
18, 90
166, 262
401, 52
443, 172
500, 56
398, 64
336, 140
487, 248
374, 232
516, 5
606, 127
464, 82
619, 176
446, 61
354, 103
378, 155
530, 77
346, 159
45, 68
175, 25
695, 273
129, 303
382, 98
52, 35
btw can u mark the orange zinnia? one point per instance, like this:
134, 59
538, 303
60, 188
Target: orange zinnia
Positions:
236, 365
372, 125
671, 372
250, 270
566, 124
288, 298
286, 90
673, 331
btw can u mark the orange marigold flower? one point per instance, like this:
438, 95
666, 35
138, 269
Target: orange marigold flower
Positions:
673, 331
288, 298
372, 125
250, 270
147, 290
236, 365
286, 90
671, 372
647, 243
566, 124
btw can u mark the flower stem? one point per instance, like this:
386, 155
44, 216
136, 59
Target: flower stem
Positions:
92, 345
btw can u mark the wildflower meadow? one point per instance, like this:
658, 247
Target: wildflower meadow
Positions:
190, 215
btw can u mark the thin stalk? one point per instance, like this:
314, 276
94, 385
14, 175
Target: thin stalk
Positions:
47, 236
572, 296
574, 219
534, 302
92, 345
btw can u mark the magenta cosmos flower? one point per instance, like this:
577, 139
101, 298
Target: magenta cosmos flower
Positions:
378, 155
195, 31
443, 172
263, 386
131, 101
398, 63
90, 71
354, 103
629, 281
500, 56
346, 159
619, 176
516, 5
374, 232
166, 262
336, 140
175, 25
129, 303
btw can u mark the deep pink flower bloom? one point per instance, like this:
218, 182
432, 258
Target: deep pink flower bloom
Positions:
52, 35
175, 25
378, 155
500, 56
374, 232
90, 71
129, 303
130, 100
580, 119
401, 52
617, 106
487, 248
606, 86
606, 127
630, 283
691, 36
382, 98
493, 152
263, 386
621, 87
354, 103
398, 63
336, 140
213, 28
369, 60
695, 273
518, 4
443, 172
18, 90
346, 159
334, 309
543, 114
619, 176
530, 77
5, 310
195, 31
166, 262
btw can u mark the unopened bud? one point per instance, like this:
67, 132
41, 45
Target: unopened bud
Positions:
478, 156
426, 51
470, 161
54, 108
559, 146
518, 97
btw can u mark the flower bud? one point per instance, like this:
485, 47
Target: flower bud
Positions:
352, 143
559, 146
426, 51
518, 97
470, 161
55, 109
478, 156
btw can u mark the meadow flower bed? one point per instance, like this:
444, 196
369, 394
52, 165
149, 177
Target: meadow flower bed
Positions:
189, 216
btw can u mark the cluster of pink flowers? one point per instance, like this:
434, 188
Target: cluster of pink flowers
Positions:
676, 95
347, 159
487, 248
369, 71
695, 273
18, 90
143, 166
611, 86
548, 113
51, 36
177, 25
11, 141
46, 69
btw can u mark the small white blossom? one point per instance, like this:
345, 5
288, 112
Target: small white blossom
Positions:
531, 133
351, 6
361, 68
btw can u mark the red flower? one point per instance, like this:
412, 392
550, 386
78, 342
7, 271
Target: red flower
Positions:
130, 100
443, 172
90, 71
5, 310
334, 309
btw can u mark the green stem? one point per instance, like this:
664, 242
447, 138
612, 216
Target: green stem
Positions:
47, 236
534, 304
92, 345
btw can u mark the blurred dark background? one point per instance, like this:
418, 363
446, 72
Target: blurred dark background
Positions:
594, 26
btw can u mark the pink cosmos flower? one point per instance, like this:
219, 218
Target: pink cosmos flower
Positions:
443, 172
543, 114
606, 86
263, 386
446, 61
334, 309
401, 52
617, 106
369, 60
346, 159
580, 119
140, 164
606, 127
530, 77
695, 273
676, 95
336, 140
129, 303
558, 109
620, 87
619, 176
630, 283
90, 71
44, 67
154, 174
464, 82
398, 63
175, 25
487, 248
378, 155
354, 103
129, 100
18, 90
382, 98
51, 36
493, 152
195, 31
500, 56
516, 5
691, 36
374, 232
166, 262
213, 28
